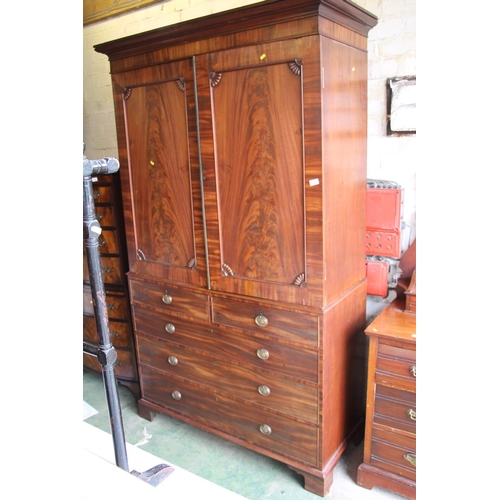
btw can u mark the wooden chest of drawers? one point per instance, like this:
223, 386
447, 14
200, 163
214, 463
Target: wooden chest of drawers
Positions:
109, 214
389, 459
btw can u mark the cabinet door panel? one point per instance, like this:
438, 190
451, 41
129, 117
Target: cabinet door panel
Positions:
160, 172
158, 145
258, 123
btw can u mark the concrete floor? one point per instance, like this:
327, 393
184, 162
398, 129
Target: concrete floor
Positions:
233, 467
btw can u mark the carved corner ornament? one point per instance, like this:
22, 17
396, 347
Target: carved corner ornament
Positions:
226, 270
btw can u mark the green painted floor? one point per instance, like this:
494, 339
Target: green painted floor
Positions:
233, 467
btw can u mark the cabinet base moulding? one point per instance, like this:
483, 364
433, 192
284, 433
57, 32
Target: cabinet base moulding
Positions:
369, 476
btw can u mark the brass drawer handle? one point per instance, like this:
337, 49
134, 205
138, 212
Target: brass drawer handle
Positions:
264, 390
170, 328
411, 458
261, 320
173, 360
412, 414
413, 370
167, 299
265, 429
96, 195
113, 334
176, 395
262, 354
99, 216
105, 270
101, 241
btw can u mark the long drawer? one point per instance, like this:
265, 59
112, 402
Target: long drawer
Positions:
260, 353
250, 423
264, 319
110, 270
394, 453
395, 408
169, 298
265, 389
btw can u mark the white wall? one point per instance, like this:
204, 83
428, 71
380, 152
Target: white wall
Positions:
391, 52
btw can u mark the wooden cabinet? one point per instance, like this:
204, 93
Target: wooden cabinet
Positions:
107, 195
390, 438
242, 144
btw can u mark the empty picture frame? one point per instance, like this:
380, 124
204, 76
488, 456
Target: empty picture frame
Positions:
402, 105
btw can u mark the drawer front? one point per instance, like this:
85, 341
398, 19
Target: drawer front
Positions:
169, 298
104, 216
394, 453
119, 332
107, 241
116, 304
279, 434
395, 408
396, 365
283, 395
124, 367
286, 325
102, 194
288, 360
110, 270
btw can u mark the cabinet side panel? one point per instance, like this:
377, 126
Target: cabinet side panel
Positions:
344, 156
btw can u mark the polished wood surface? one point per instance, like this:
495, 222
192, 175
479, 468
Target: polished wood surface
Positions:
242, 145
389, 459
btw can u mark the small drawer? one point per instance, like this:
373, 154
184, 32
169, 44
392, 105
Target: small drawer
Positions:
107, 241
116, 303
266, 320
120, 332
102, 194
396, 366
235, 417
104, 215
395, 408
394, 453
265, 354
170, 298
110, 270
220, 374
125, 367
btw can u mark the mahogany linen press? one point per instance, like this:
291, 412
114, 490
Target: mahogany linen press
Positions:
242, 145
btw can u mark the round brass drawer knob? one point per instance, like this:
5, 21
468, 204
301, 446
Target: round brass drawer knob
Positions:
262, 354
265, 429
176, 395
264, 390
167, 299
261, 320
170, 328
173, 360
